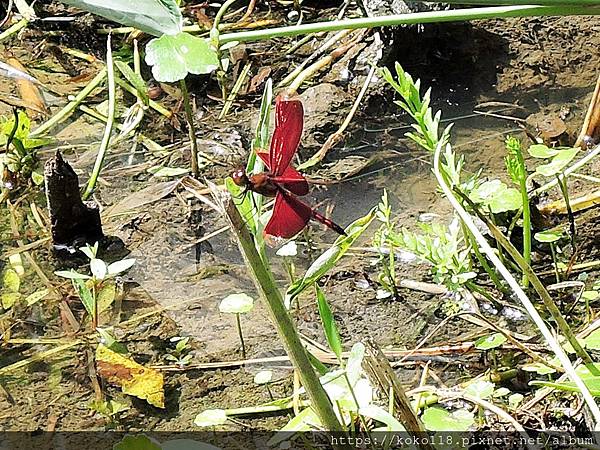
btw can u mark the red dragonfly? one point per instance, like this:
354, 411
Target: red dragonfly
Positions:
282, 181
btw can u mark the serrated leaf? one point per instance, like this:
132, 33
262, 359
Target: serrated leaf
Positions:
173, 57
156, 17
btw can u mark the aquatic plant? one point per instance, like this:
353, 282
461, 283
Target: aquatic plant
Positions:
95, 291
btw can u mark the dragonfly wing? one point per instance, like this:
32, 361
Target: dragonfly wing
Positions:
265, 157
289, 122
290, 216
293, 181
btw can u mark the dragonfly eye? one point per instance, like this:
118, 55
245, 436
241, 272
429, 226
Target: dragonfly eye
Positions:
239, 177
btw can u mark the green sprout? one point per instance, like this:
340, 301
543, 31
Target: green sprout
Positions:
551, 237
265, 377
96, 292
237, 304
516, 169
180, 355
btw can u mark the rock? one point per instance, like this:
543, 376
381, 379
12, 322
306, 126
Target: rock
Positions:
73, 221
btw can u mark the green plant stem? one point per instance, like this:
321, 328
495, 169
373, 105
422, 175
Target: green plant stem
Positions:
191, 127
514, 285
15, 28
491, 272
110, 120
554, 261
526, 214
238, 324
575, 167
265, 282
70, 107
410, 19
151, 103
562, 183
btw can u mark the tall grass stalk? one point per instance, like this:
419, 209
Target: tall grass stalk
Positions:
455, 15
110, 120
265, 283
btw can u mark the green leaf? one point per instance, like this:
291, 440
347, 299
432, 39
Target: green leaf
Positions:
98, 268
165, 172
11, 281
84, 294
139, 442
590, 380
211, 418
590, 296
187, 444
542, 151
539, 368
261, 137
236, 304
515, 399
547, 236
37, 178
36, 296
593, 340
173, 57
106, 296
329, 327
438, 419
491, 341
480, 389
558, 163
8, 299
120, 266
381, 415
306, 420
330, 257
134, 79
156, 17
71, 274
506, 200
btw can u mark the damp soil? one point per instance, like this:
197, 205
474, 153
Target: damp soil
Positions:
538, 65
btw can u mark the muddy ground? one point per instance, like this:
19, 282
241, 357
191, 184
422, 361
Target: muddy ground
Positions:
541, 64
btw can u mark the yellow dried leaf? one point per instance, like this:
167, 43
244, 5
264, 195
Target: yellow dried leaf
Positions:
133, 378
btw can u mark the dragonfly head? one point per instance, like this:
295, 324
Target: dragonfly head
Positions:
240, 178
